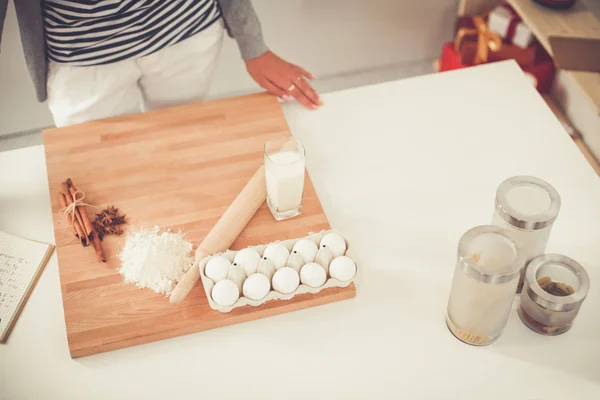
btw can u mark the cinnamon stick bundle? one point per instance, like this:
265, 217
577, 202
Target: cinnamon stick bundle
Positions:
83, 234
74, 224
80, 210
79, 219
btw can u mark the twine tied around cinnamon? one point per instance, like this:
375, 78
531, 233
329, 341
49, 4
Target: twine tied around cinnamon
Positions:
77, 202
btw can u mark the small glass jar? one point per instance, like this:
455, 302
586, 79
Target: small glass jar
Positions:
528, 207
487, 272
555, 286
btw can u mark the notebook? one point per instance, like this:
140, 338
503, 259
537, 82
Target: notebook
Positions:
21, 263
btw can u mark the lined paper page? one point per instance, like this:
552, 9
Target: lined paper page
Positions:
21, 261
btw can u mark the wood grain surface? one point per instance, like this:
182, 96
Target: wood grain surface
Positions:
177, 168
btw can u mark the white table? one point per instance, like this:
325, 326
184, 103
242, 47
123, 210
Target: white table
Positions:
403, 169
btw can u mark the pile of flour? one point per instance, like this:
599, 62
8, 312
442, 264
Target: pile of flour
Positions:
154, 259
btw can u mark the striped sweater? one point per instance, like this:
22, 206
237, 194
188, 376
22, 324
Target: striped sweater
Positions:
94, 32
239, 17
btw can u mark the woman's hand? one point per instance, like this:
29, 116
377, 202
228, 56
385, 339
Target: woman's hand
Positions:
283, 79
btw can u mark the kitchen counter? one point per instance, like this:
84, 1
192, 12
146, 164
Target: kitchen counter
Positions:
402, 169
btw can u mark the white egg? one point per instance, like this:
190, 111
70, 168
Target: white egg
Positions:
295, 261
313, 275
266, 268
225, 293
277, 253
335, 242
236, 275
307, 248
257, 286
217, 268
248, 259
342, 268
324, 258
286, 280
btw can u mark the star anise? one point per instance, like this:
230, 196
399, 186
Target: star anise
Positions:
108, 222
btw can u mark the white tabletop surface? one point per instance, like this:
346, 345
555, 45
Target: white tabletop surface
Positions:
403, 169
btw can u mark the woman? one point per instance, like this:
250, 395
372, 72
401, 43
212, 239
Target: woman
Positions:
94, 59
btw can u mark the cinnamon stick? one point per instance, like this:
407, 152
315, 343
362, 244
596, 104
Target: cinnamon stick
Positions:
64, 188
63, 204
98, 247
81, 234
87, 224
92, 234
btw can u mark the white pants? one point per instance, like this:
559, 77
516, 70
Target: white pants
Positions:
175, 75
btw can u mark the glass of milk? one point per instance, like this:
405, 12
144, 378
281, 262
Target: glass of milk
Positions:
285, 161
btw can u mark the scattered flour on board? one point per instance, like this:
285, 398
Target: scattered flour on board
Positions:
155, 260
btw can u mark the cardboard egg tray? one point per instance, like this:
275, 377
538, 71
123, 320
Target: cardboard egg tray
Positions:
273, 295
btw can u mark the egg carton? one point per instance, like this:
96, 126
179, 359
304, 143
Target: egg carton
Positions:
272, 295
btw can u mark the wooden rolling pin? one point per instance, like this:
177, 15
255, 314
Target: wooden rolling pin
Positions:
226, 230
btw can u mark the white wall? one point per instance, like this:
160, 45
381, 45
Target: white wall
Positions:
327, 37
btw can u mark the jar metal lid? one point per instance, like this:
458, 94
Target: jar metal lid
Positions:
522, 220
550, 301
473, 270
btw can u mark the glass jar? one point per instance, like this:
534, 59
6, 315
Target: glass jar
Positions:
528, 207
555, 286
485, 279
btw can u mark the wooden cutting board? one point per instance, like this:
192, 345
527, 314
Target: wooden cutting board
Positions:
177, 168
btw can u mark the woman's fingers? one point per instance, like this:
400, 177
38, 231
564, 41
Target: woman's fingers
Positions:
308, 91
291, 84
274, 89
283, 79
295, 92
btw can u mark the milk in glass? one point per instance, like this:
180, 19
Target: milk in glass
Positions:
285, 180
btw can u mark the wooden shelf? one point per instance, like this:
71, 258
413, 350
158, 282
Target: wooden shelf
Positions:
476, 7
582, 20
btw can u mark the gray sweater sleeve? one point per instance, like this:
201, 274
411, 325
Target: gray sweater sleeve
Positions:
243, 25
3, 5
